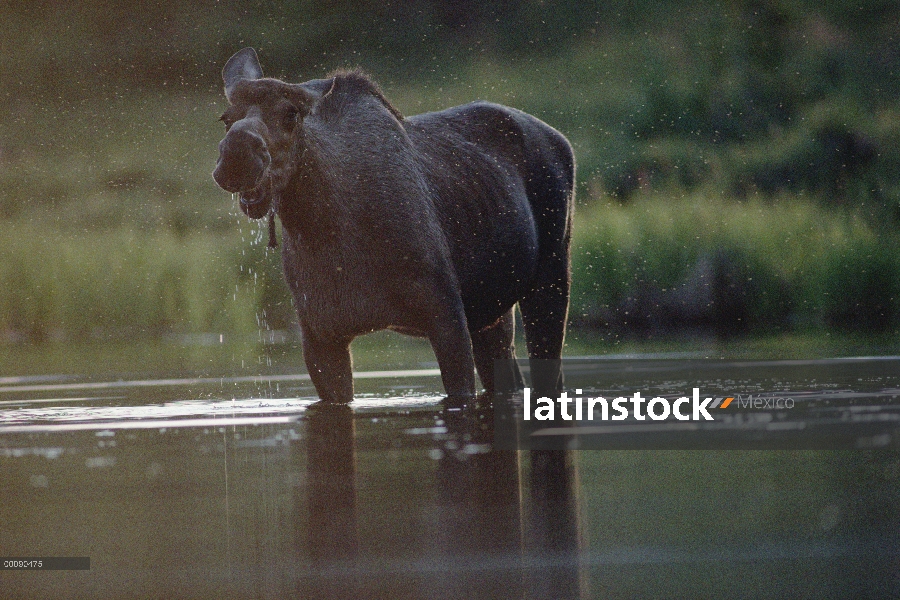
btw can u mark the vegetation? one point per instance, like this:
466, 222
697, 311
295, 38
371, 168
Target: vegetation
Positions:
794, 264
754, 146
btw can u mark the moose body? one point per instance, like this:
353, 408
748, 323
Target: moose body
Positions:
434, 225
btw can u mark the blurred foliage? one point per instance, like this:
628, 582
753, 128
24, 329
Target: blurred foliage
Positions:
754, 95
710, 138
126, 284
708, 262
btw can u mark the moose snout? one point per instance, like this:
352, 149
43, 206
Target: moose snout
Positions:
243, 160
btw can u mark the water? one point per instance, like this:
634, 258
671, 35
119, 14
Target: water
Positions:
204, 483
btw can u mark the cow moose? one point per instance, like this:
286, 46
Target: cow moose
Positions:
435, 225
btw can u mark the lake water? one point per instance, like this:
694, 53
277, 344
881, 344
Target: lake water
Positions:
212, 474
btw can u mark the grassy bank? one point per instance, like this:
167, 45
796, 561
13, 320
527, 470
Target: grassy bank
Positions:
786, 263
791, 264
124, 282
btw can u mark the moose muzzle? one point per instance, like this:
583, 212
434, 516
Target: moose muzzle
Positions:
243, 158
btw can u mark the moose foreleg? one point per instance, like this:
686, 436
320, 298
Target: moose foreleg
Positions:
452, 346
330, 367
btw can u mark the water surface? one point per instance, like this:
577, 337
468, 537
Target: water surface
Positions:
197, 482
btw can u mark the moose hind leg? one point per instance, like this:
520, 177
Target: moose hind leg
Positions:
492, 343
330, 367
544, 314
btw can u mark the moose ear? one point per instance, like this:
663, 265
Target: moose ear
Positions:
243, 65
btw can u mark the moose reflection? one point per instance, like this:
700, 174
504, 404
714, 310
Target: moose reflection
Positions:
485, 539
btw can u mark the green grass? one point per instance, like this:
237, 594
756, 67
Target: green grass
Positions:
129, 282
830, 269
825, 268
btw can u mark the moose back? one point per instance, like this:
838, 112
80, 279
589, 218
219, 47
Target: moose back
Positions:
435, 225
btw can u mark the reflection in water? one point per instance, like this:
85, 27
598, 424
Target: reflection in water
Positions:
478, 495
332, 537
553, 532
476, 549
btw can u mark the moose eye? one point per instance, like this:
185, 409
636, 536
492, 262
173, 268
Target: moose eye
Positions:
228, 121
231, 116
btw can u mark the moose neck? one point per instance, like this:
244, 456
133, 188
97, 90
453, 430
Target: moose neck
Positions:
310, 208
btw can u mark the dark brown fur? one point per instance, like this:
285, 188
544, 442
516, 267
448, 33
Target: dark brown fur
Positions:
433, 225
359, 79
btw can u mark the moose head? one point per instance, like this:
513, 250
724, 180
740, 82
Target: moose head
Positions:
258, 154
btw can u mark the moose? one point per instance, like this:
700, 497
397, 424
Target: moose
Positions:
435, 225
